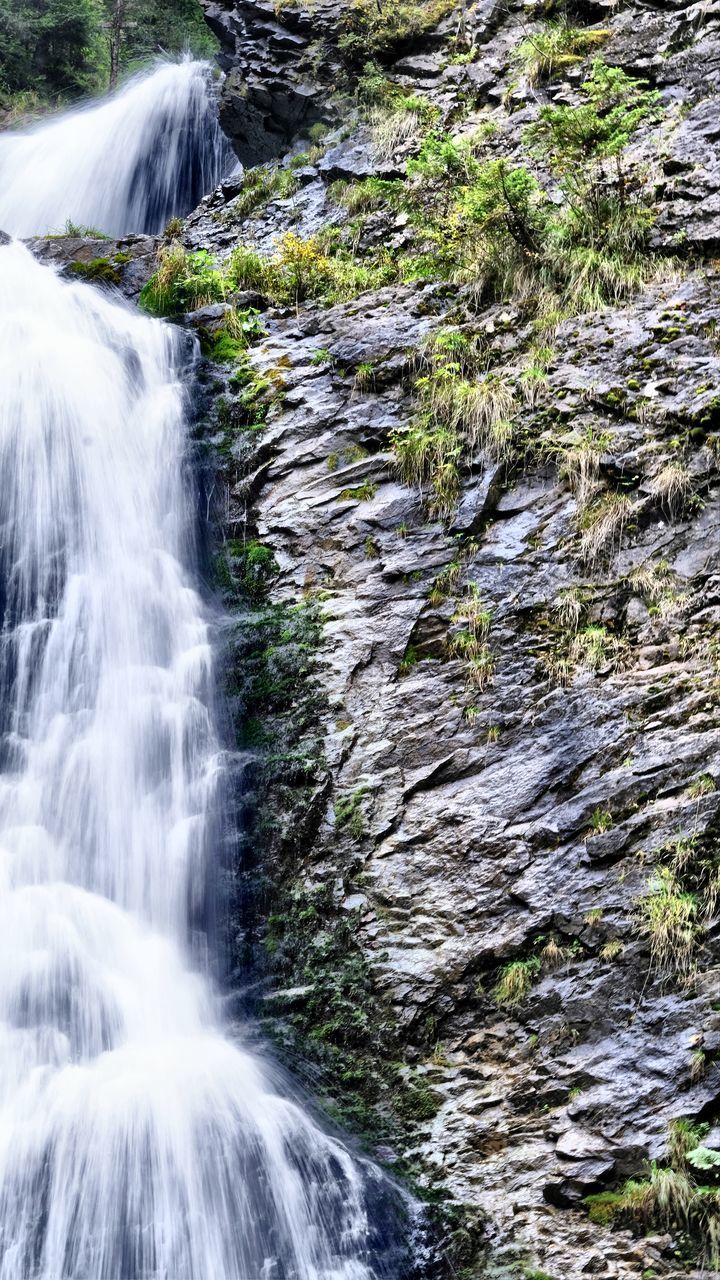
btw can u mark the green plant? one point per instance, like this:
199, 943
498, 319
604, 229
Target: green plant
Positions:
569, 608
581, 465
174, 229
668, 917
361, 493
603, 525
364, 375
370, 33
183, 281
79, 230
515, 981
578, 141
593, 648
554, 47
702, 786
600, 821
457, 413
410, 659
445, 583
612, 949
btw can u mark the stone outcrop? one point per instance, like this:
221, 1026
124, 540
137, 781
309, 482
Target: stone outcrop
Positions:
125, 264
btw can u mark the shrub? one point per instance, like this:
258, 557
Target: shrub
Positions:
556, 46
576, 141
183, 282
372, 32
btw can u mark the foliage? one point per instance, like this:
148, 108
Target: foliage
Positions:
516, 980
182, 282
457, 413
671, 1199
301, 269
51, 46
681, 901
62, 48
489, 224
577, 140
602, 526
669, 919
247, 567
260, 185
556, 46
373, 32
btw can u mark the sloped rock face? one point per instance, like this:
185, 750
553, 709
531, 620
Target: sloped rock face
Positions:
272, 58
522, 820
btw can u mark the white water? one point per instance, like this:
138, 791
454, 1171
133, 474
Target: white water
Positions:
137, 1141
123, 165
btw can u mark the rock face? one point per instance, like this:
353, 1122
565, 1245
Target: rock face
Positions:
463, 827
270, 55
125, 264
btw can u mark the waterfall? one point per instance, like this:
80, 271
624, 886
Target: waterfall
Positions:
138, 1139
127, 164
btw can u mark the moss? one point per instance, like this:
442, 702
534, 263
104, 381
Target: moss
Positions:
245, 570
604, 1207
349, 814
361, 493
99, 271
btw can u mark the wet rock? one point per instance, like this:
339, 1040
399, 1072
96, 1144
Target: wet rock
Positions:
126, 264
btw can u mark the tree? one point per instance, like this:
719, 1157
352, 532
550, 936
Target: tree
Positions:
65, 48
49, 45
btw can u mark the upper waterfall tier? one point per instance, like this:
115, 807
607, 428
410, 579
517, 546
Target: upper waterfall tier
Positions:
122, 165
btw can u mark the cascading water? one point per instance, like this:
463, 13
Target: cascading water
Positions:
151, 151
137, 1141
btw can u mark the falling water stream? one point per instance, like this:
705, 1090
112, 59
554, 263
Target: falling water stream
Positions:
138, 1141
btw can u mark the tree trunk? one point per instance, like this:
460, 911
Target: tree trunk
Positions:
117, 23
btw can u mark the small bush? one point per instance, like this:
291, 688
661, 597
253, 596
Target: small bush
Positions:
183, 282
556, 46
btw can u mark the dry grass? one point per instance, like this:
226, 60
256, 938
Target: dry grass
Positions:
581, 467
671, 488
394, 130
569, 608
603, 528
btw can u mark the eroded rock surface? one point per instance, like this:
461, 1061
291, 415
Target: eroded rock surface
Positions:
522, 819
